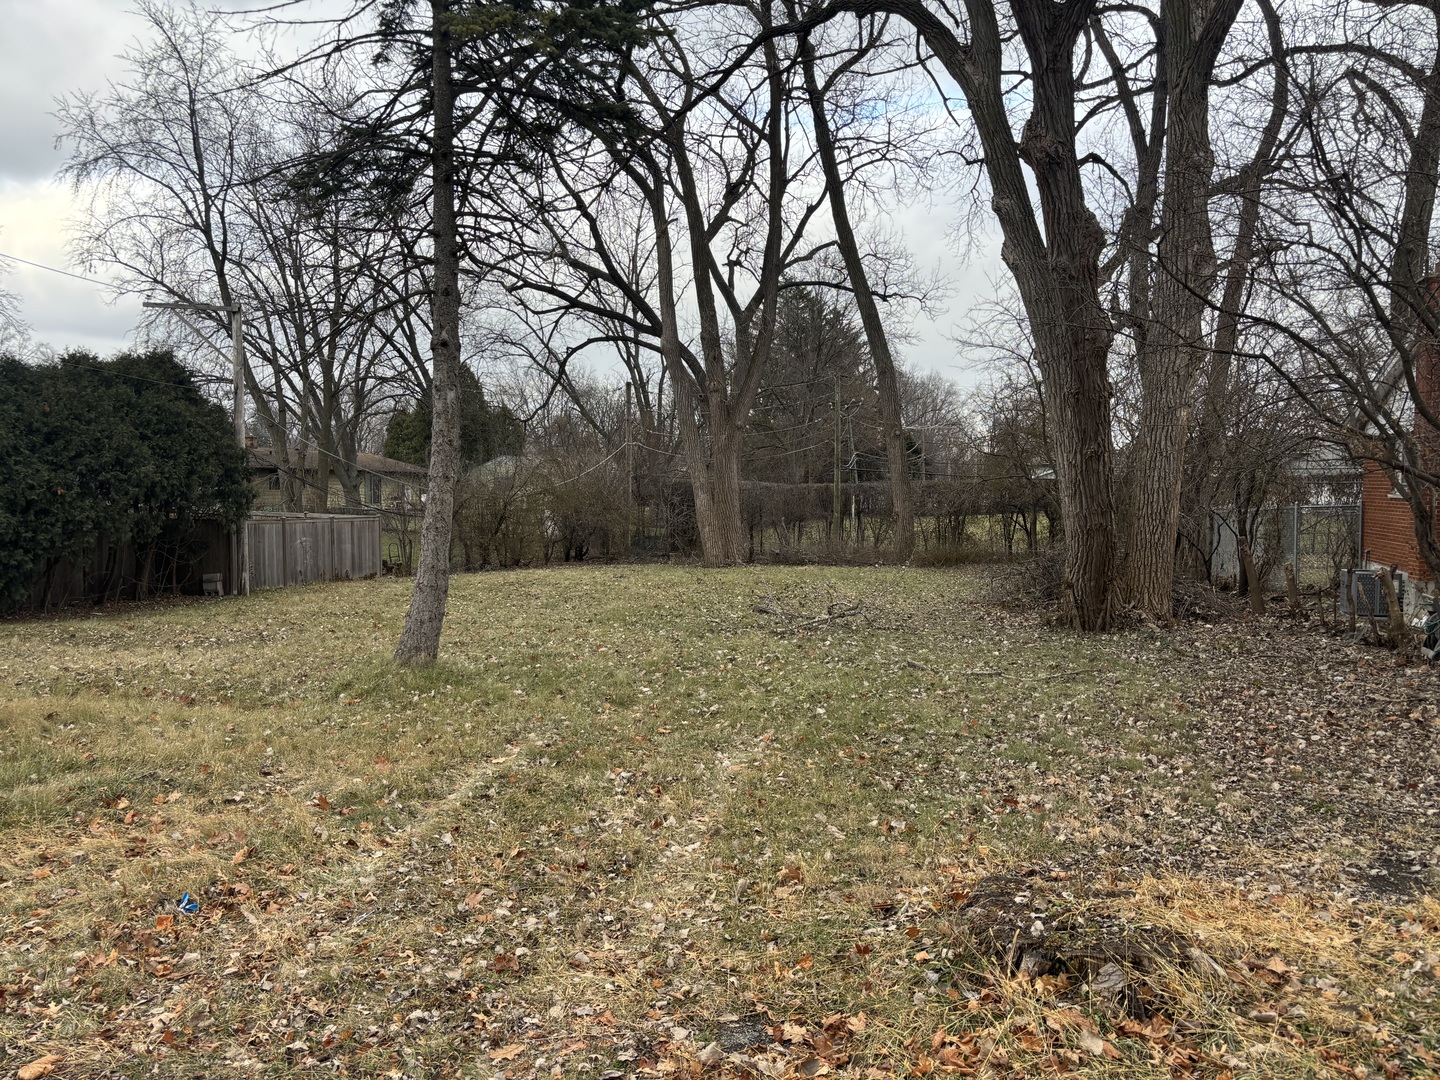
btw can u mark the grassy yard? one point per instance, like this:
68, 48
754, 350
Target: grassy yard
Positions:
654, 821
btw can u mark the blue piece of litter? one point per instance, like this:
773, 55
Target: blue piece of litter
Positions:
188, 904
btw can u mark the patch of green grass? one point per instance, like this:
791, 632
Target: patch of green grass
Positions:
625, 803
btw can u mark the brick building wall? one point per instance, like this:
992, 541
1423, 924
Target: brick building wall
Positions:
1387, 531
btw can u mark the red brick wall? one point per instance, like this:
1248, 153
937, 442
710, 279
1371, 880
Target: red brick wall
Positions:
1388, 530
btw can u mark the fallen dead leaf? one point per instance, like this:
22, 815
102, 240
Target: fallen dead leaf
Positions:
39, 1067
1094, 1044
505, 1053
1069, 1019
1278, 966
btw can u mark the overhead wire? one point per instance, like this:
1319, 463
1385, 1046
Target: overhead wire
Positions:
57, 270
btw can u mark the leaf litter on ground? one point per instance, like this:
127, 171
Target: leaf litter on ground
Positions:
630, 816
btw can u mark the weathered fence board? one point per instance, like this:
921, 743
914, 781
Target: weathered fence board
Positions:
175, 564
301, 549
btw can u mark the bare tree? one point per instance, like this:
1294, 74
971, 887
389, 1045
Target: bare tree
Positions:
1348, 290
420, 639
1191, 36
1054, 254
13, 331
700, 155
191, 200
887, 382
1242, 424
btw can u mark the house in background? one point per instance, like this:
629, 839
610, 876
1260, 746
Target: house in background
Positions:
385, 484
1387, 532
1387, 524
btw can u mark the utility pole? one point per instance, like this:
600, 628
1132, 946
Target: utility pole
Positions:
237, 365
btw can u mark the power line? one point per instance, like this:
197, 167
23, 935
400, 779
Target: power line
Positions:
57, 270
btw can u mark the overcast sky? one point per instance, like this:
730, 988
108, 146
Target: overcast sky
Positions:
63, 46
46, 50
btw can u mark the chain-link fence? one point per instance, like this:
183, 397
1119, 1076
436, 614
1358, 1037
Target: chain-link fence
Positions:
1318, 540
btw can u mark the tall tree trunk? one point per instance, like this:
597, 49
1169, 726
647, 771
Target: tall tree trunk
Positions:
1194, 32
1057, 270
348, 473
1409, 301
1207, 451
1415, 307
420, 640
317, 497
901, 496
712, 452
1059, 280
723, 536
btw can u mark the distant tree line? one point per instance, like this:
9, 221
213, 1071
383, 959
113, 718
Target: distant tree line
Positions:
1217, 221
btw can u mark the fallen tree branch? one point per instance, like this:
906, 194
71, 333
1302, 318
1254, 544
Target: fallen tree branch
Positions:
833, 613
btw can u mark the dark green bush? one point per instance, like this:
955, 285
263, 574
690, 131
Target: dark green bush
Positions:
126, 449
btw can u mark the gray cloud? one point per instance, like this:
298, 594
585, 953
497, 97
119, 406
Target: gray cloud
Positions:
48, 50
66, 46
58, 48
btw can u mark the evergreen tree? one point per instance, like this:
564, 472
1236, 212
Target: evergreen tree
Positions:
126, 450
486, 431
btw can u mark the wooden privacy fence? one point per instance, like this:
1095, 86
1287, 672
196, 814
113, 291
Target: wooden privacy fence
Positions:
300, 549
177, 562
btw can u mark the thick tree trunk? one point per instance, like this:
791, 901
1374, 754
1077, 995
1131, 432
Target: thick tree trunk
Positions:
1059, 280
1156, 464
1057, 271
1411, 258
420, 640
1175, 349
712, 457
886, 381
1415, 303
722, 532
346, 470
317, 494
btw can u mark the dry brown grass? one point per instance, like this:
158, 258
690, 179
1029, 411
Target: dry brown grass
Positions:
632, 826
